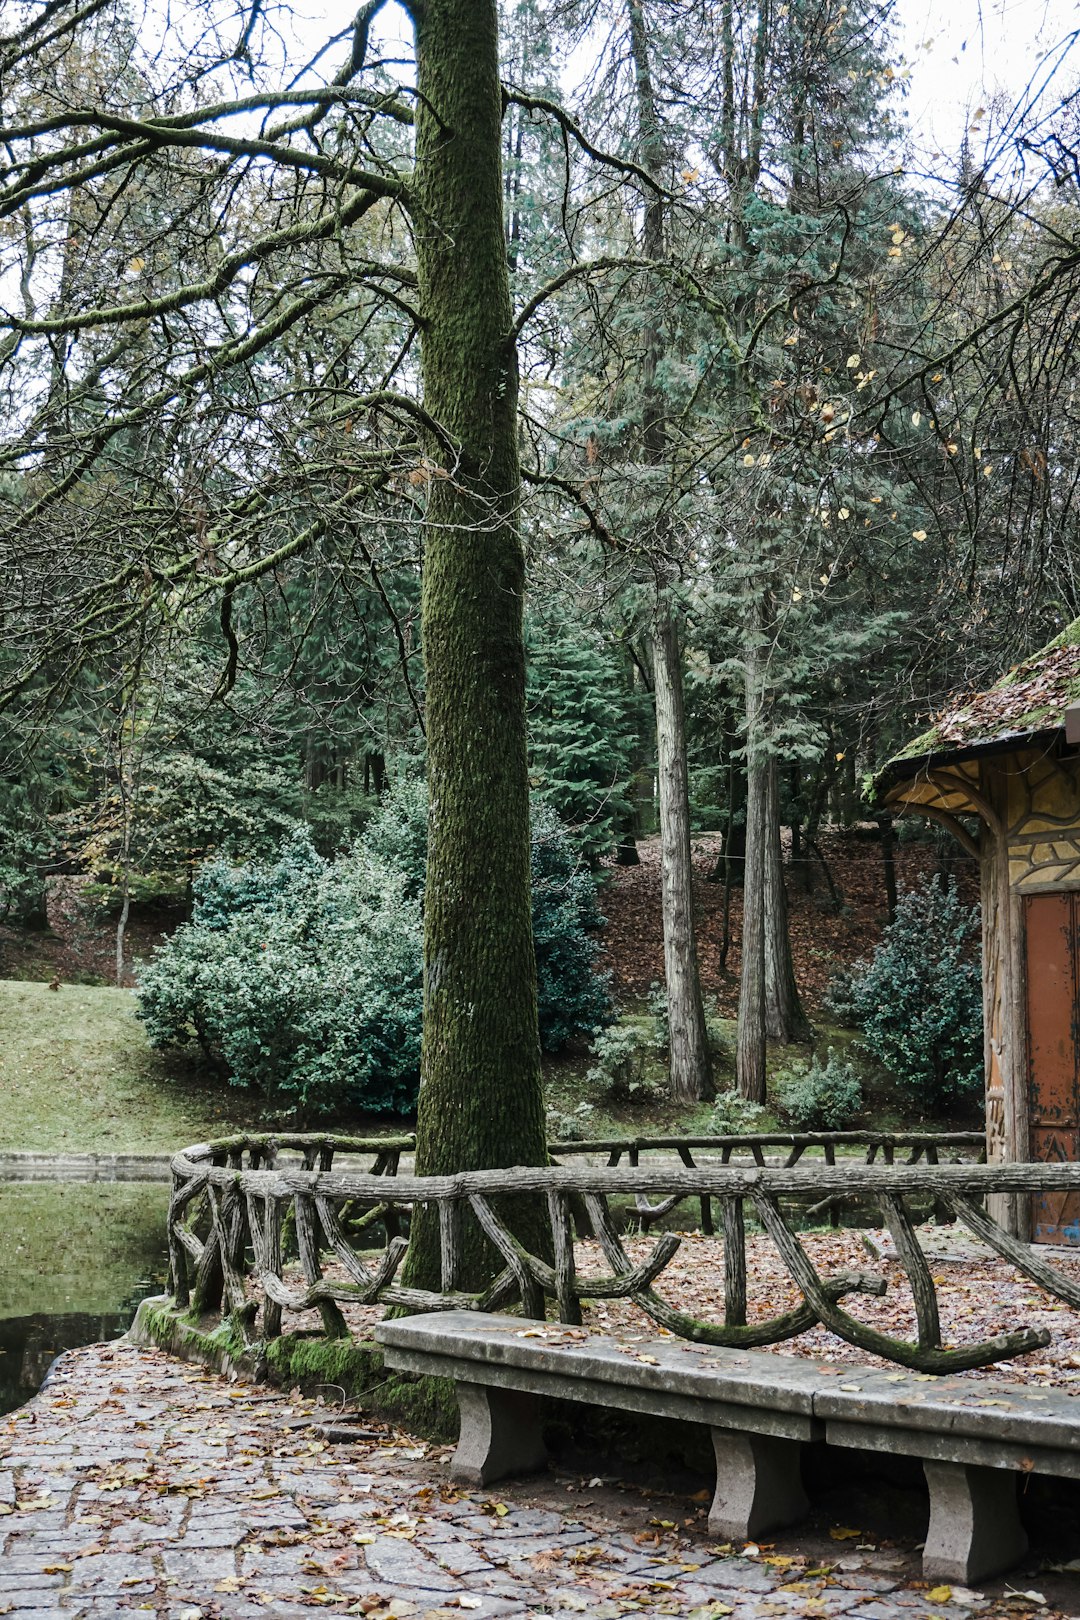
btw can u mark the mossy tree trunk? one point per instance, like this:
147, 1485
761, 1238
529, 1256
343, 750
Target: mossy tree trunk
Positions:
751, 1048
691, 1077
481, 1103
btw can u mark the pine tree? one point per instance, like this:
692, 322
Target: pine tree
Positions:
581, 732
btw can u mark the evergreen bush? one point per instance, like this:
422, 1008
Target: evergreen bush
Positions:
300, 977
919, 998
733, 1115
622, 1054
820, 1096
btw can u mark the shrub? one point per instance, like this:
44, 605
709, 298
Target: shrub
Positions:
301, 977
569, 1127
819, 1096
733, 1115
919, 999
622, 1053
839, 999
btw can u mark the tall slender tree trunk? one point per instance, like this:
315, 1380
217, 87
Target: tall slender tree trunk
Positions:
751, 1048
630, 828
690, 1066
785, 1020
691, 1078
481, 1102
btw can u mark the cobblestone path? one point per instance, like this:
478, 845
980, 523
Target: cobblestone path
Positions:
135, 1484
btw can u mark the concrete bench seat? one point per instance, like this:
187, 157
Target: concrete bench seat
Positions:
973, 1436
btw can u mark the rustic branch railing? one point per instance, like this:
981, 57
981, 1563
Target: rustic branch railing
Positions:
919, 1145
241, 1210
931, 1147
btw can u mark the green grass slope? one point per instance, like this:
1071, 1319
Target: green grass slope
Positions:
77, 1076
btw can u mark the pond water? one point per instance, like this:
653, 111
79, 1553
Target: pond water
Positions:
77, 1257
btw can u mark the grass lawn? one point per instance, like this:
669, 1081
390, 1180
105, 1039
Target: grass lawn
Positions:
77, 1076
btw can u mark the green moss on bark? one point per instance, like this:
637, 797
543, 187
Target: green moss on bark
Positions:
481, 1102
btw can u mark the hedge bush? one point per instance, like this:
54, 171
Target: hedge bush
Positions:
300, 977
820, 1096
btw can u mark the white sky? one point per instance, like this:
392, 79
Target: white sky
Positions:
963, 54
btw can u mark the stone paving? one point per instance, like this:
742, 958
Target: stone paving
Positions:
136, 1484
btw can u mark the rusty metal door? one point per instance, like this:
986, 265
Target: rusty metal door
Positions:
1052, 933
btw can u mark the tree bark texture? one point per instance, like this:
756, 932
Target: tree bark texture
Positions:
481, 1103
750, 1049
691, 1078
785, 1020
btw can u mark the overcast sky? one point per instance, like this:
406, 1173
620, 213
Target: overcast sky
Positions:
963, 53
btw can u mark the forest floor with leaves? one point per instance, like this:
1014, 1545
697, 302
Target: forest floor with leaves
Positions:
825, 936
136, 1484
979, 1296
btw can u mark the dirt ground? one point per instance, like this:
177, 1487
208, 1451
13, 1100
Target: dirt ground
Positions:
823, 938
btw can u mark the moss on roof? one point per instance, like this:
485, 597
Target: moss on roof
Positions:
1031, 697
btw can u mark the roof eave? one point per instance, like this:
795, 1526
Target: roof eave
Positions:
899, 771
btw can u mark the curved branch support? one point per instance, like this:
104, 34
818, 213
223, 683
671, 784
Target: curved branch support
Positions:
517, 1257
919, 1358
749, 1337
918, 1272
1018, 1254
946, 819
949, 783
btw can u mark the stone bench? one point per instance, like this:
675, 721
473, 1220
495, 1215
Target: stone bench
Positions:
973, 1436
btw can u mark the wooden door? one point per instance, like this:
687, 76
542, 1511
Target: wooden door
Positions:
1052, 938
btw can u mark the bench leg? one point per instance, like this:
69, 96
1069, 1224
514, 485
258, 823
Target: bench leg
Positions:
500, 1434
975, 1528
758, 1485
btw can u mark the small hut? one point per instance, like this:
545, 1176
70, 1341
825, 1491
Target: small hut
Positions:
1001, 770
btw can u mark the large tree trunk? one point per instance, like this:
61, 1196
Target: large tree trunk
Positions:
691, 1079
785, 1020
481, 1103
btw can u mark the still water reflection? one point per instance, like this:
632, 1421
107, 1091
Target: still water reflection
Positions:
75, 1259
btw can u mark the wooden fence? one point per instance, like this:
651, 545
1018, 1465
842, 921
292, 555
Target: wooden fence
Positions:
231, 1200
